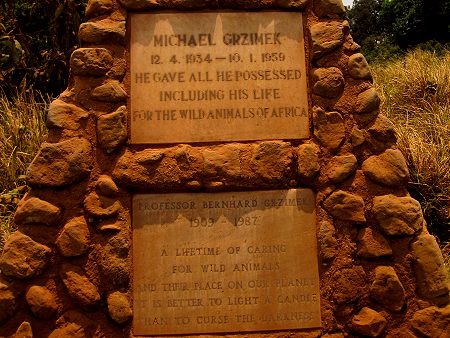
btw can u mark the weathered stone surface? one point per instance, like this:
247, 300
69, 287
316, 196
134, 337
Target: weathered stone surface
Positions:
358, 68
60, 164
345, 206
35, 210
368, 323
382, 133
112, 129
357, 137
339, 168
371, 244
397, 215
119, 307
388, 169
114, 262
7, 303
297, 4
329, 128
106, 186
110, 91
102, 31
387, 289
70, 330
98, 7
308, 164
23, 331
328, 82
101, 206
431, 273
74, 238
329, 8
326, 37
91, 61
72, 324
272, 160
367, 102
22, 257
65, 115
225, 160
432, 322
78, 285
41, 302
327, 241
349, 284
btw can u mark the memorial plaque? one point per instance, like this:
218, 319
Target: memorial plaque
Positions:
200, 77
225, 262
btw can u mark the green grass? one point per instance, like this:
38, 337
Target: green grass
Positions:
22, 130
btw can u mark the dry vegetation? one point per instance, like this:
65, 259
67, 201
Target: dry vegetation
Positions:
22, 130
415, 93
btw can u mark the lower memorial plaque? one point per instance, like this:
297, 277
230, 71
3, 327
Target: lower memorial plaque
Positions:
225, 262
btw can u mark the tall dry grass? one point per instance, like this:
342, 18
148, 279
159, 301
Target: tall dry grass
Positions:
22, 130
415, 93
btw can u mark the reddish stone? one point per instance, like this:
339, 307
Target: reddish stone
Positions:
387, 289
74, 238
345, 206
22, 257
388, 169
119, 307
78, 285
34, 210
60, 164
41, 301
371, 244
397, 215
7, 303
368, 323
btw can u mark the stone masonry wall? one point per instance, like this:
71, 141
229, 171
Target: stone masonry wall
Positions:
66, 272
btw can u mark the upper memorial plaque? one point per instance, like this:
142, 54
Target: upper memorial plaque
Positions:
205, 77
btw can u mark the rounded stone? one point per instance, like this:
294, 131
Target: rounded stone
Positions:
22, 257
388, 169
106, 186
91, 61
432, 322
98, 7
34, 210
329, 128
326, 37
119, 307
74, 238
112, 129
308, 164
102, 31
397, 215
367, 102
60, 164
78, 286
368, 323
41, 301
110, 91
340, 168
387, 289
358, 68
328, 82
101, 206
345, 206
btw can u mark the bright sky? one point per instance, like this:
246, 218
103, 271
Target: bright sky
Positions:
348, 2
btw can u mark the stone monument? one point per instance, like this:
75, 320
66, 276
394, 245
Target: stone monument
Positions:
220, 167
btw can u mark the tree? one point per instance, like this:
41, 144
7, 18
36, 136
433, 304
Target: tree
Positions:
36, 40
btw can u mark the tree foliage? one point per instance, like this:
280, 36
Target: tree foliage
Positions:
384, 28
36, 40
